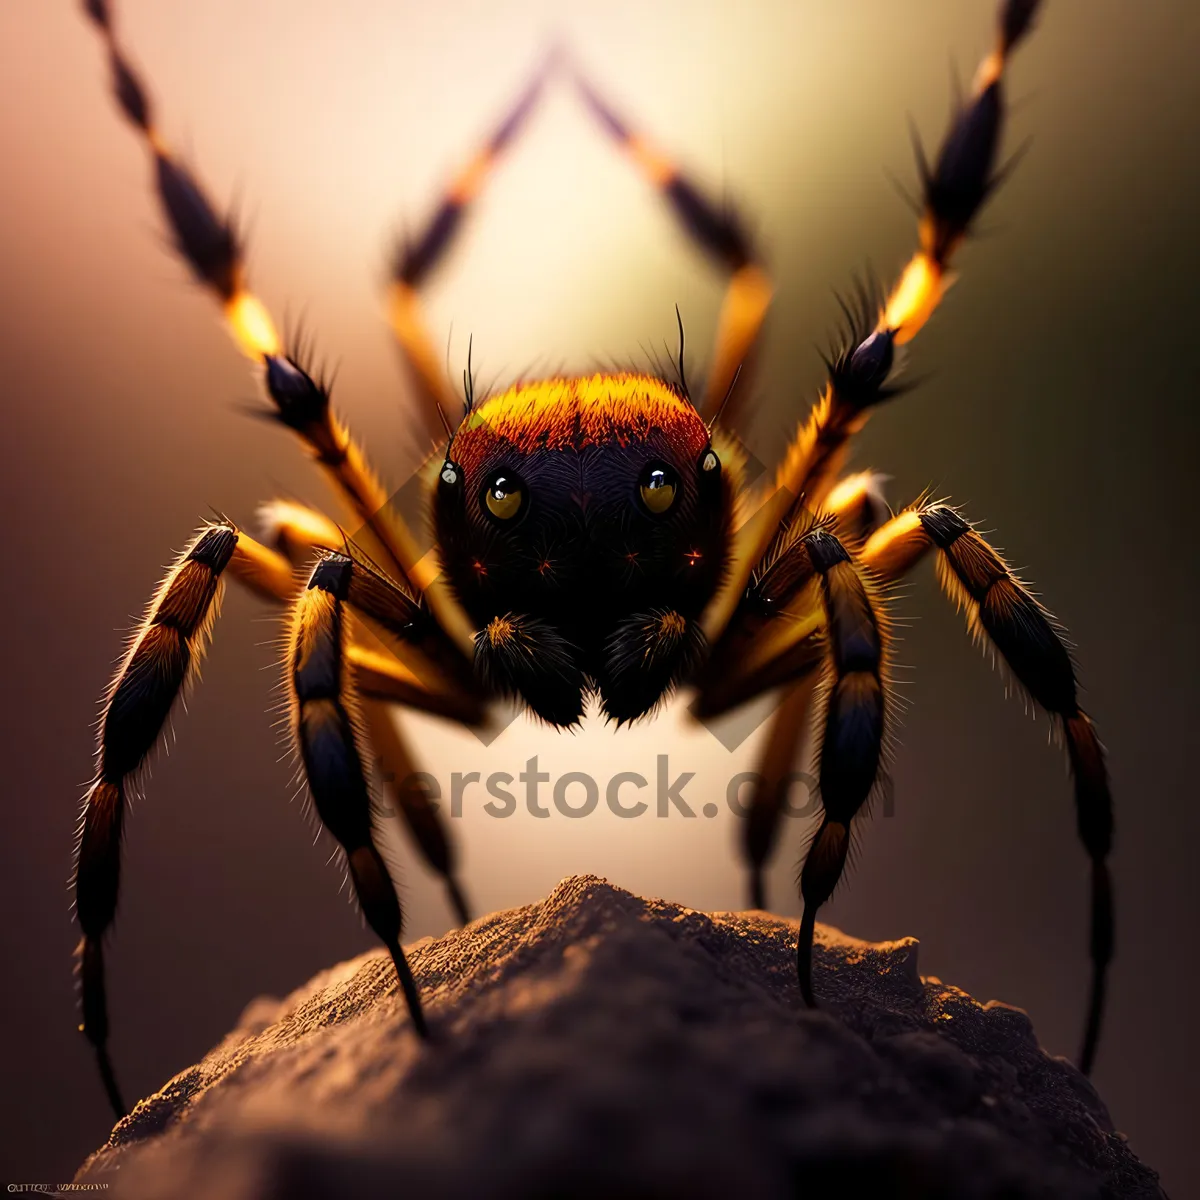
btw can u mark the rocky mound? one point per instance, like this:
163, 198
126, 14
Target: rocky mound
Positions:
598, 1044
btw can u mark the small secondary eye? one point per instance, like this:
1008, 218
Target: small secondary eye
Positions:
504, 496
658, 487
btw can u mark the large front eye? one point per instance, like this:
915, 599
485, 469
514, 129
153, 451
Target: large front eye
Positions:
658, 486
504, 496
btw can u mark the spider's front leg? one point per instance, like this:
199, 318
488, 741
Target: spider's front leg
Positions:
163, 657
327, 731
854, 700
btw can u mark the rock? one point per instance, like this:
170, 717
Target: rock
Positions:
597, 1044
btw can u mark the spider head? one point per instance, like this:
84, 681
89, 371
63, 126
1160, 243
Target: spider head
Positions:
593, 513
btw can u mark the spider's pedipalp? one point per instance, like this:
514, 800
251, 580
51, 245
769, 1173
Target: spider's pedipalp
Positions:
645, 657
527, 657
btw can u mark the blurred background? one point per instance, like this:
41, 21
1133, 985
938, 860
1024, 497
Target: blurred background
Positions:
1057, 404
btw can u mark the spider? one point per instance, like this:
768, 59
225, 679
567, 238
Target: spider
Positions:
595, 539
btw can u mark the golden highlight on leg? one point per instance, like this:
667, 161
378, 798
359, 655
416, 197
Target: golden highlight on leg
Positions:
209, 244
955, 187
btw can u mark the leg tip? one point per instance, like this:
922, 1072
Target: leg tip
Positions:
758, 893
412, 997
109, 1079
458, 902
804, 947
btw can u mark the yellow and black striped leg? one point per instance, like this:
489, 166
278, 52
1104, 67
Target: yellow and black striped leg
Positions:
722, 234
380, 677
208, 242
164, 654
766, 646
853, 727
417, 258
328, 734
955, 187
1003, 613
853, 706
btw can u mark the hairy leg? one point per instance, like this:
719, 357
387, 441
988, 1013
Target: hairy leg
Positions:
955, 187
1004, 615
163, 656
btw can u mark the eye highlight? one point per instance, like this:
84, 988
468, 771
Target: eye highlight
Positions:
658, 487
504, 496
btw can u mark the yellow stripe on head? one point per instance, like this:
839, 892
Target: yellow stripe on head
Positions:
572, 414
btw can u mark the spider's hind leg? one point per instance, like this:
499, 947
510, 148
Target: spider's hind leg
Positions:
722, 234
418, 257
1003, 613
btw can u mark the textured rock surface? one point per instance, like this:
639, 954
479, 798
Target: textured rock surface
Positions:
596, 1044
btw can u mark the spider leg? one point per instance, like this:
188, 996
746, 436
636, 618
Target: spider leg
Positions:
853, 725
746, 666
163, 656
853, 709
721, 233
327, 731
417, 258
209, 244
395, 674
773, 780
410, 799
962, 177
1003, 614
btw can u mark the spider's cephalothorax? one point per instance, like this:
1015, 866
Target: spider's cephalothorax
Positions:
586, 542
584, 524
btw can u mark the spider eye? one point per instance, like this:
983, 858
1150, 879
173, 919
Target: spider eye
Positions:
504, 496
658, 488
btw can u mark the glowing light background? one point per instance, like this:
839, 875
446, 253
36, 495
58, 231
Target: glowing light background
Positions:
1058, 404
